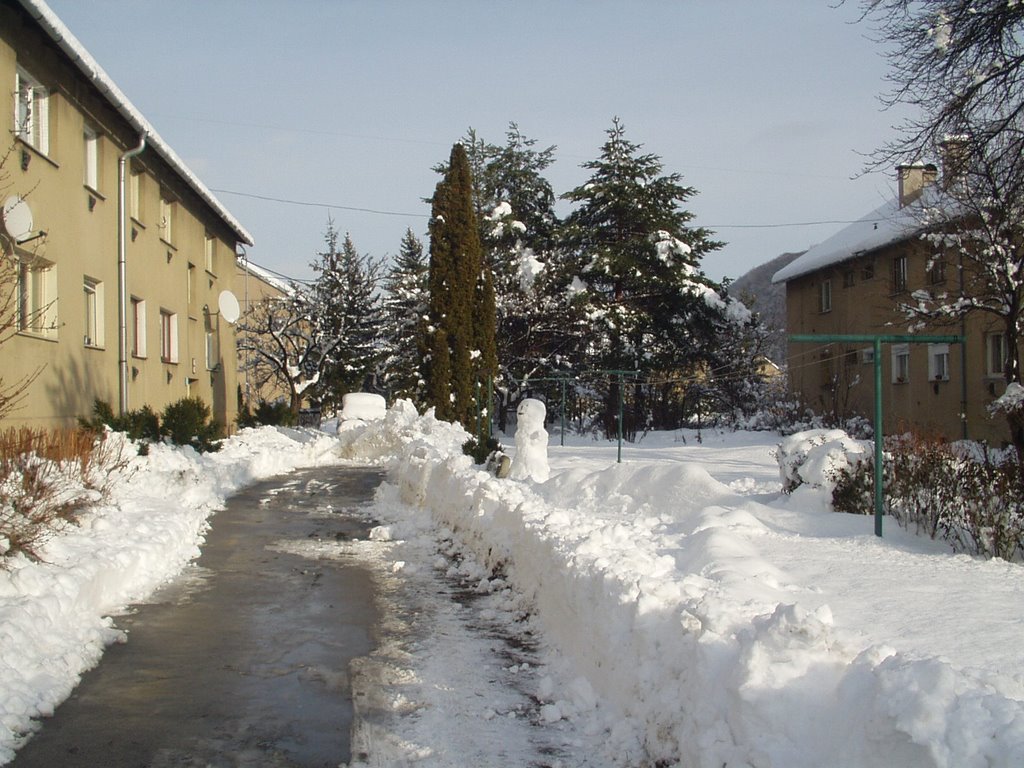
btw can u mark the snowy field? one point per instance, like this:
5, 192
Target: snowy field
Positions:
672, 609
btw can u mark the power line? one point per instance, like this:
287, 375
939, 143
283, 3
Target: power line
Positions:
308, 204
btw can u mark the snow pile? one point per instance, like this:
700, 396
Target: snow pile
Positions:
690, 626
364, 406
816, 458
55, 613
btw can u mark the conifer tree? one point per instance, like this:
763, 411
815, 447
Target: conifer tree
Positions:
405, 307
459, 325
632, 264
346, 296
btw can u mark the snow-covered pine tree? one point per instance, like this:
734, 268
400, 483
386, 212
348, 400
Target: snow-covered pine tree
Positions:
405, 307
348, 304
631, 262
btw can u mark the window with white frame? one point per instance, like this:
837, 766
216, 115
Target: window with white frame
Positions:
93, 295
867, 355
91, 140
32, 111
210, 249
168, 336
166, 218
825, 303
37, 297
938, 362
138, 327
995, 354
900, 363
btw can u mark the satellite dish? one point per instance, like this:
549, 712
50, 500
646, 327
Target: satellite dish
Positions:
228, 306
17, 218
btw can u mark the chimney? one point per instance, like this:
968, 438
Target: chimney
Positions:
954, 151
913, 179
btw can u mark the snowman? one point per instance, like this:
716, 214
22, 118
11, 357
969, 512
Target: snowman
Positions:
531, 462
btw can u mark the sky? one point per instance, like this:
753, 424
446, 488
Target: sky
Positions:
297, 112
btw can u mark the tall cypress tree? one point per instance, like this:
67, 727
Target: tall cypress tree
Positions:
461, 307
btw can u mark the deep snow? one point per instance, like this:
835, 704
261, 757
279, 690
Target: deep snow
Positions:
675, 607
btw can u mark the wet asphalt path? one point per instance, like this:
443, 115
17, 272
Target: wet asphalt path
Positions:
244, 660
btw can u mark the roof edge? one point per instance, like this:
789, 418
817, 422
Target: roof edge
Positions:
88, 66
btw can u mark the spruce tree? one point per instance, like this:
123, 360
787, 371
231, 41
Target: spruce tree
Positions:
405, 306
347, 302
632, 264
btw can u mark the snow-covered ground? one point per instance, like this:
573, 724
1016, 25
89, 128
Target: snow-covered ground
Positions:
672, 609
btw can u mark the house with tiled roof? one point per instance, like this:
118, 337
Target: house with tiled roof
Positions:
854, 283
123, 262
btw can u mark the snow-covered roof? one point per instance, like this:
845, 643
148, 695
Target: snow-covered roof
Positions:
266, 276
883, 226
88, 66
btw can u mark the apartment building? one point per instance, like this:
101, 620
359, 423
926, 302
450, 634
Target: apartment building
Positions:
121, 263
853, 283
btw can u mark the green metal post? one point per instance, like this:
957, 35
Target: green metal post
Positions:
622, 382
876, 340
562, 440
490, 404
879, 474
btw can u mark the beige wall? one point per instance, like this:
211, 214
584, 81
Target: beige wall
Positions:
81, 223
869, 306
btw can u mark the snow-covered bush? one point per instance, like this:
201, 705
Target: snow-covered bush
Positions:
958, 492
818, 457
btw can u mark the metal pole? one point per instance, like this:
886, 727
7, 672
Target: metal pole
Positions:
562, 438
878, 436
621, 381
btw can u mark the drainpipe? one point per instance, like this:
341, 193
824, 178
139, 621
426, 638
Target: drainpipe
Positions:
122, 278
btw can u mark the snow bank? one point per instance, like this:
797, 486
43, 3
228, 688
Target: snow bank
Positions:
682, 641
55, 613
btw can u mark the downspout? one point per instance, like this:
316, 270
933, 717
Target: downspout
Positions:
122, 272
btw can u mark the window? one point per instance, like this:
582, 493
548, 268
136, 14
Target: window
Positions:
899, 274
210, 247
168, 336
826, 296
92, 158
995, 354
937, 269
190, 288
938, 362
166, 219
848, 278
32, 111
211, 350
900, 363
135, 195
867, 356
867, 272
93, 292
138, 327
37, 298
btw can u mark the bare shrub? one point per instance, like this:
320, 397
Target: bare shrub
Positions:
46, 479
965, 495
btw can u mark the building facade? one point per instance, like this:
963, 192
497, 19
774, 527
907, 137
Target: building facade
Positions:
854, 283
120, 262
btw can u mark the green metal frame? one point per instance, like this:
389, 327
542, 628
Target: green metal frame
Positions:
876, 340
